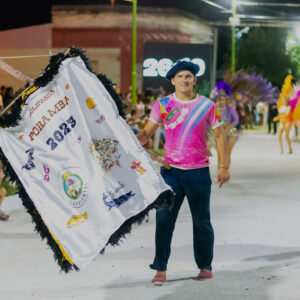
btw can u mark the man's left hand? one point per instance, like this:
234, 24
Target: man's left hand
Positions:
223, 176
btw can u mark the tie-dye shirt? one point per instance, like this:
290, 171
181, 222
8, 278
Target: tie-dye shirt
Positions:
185, 124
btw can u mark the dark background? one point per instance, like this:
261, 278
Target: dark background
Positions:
172, 51
16, 14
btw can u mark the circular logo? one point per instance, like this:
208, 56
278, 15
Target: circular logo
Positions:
73, 183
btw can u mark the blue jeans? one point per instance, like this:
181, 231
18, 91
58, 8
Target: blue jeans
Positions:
196, 186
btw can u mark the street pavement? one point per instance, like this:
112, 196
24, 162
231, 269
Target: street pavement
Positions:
256, 218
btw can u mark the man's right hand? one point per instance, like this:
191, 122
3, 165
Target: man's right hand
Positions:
145, 134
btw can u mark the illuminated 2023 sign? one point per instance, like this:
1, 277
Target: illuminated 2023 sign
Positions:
154, 68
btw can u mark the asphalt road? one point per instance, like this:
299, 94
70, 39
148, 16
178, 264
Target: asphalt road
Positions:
257, 242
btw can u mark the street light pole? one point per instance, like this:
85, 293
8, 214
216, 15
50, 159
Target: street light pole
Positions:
215, 57
233, 4
133, 72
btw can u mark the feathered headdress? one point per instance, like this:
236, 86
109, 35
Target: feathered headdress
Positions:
222, 88
295, 96
286, 89
257, 88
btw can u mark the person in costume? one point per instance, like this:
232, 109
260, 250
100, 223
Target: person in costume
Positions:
228, 114
185, 117
250, 90
295, 108
285, 116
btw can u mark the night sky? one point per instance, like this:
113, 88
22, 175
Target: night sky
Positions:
15, 14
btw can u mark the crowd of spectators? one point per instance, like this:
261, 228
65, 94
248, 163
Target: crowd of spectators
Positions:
138, 114
250, 113
7, 94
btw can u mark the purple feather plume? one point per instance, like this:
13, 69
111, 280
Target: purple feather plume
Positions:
223, 86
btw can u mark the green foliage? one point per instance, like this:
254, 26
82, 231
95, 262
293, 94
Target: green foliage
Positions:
294, 54
263, 50
293, 49
203, 88
10, 189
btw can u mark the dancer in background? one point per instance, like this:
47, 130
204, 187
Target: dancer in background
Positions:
295, 107
228, 114
285, 116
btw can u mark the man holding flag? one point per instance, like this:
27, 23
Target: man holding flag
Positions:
186, 116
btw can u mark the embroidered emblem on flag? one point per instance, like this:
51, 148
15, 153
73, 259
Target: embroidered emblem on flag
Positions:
76, 220
105, 152
30, 163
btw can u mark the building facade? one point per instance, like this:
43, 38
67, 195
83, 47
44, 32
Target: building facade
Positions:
105, 33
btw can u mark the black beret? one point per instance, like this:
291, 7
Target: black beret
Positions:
182, 65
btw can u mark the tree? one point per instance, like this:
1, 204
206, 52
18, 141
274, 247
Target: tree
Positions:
293, 49
264, 51
203, 88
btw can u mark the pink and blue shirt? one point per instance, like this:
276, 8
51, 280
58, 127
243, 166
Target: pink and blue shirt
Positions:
185, 124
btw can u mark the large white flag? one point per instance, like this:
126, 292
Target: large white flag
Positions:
79, 162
